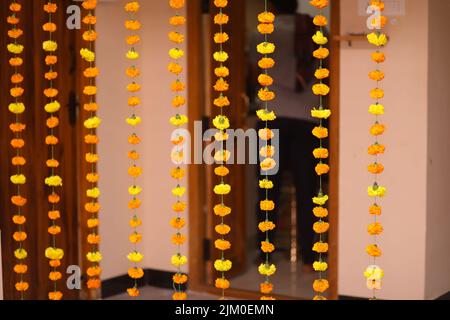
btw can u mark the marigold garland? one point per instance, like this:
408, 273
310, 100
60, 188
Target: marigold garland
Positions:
374, 274
17, 108
320, 89
178, 173
221, 123
266, 27
53, 181
133, 25
92, 207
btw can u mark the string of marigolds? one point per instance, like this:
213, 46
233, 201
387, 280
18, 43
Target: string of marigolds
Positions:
92, 207
178, 173
221, 123
321, 113
374, 274
133, 25
266, 26
54, 181
17, 108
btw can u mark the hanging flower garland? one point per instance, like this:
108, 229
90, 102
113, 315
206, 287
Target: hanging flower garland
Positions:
321, 153
221, 156
92, 207
133, 25
54, 181
266, 27
374, 274
178, 173
17, 143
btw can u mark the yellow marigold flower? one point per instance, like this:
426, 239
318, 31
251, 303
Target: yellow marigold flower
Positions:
267, 270
178, 260
222, 210
377, 39
376, 109
267, 205
93, 193
53, 181
222, 156
266, 226
135, 222
16, 108
179, 120
135, 257
267, 164
376, 75
319, 38
87, 55
221, 136
375, 229
222, 245
178, 191
221, 122
18, 179
92, 123
220, 56
20, 254
222, 189
321, 285
322, 73
223, 265
134, 121
15, 48
376, 191
321, 89
373, 250
54, 253
377, 93
94, 256
374, 272
320, 200
135, 237
320, 266
267, 247
320, 247
266, 184
134, 190
321, 227
176, 53
321, 114
132, 6
266, 17
132, 55
265, 48
266, 115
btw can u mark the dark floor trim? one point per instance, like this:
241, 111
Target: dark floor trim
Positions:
154, 278
445, 296
351, 298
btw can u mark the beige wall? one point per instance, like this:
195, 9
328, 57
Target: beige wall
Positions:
155, 130
438, 222
405, 205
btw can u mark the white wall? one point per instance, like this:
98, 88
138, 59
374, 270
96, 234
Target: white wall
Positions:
405, 206
438, 222
155, 133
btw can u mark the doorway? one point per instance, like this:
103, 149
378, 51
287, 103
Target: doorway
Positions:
244, 277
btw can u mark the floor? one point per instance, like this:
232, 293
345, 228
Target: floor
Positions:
152, 293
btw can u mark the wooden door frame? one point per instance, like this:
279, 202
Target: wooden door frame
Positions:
197, 221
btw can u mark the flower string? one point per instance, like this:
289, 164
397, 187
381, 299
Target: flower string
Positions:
133, 25
374, 274
321, 153
178, 173
54, 181
17, 107
266, 27
221, 123
92, 207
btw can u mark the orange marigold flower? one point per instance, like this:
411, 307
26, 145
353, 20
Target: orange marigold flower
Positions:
265, 80
51, 92
54, 263
16, 78
320, 212
222, 101
222, 245
133, 292
135, 273
50, 7
322, 169
132, 25
92, 177
266, 28
51, 140
19, 236
51, 60
221, 37
373, 251
55, 276
133, 40
221, 85
135, 222
222, 210
17, 127
176, 37
89, 4
19, 220
92, 207
267, 247
54, 215
135, 171
321, 227
134, 139
266, 226
321, 53
135, 237
52, 122
22, 286
51, 75
375, 210
16, 62
222, 284
376, 149
49, 27
90, 107
178, 239
92, 158
320, 132
19, 201
319, 4
17, 143
90, 19
266, 95
378, 57
54, 230
133, 87
177, 223
320, 247
321, 285
91, 72
93, 239
321, 153
134, 101
16, 92
20, 268
94, 271
91, 139
266, 17
15, 33
93, 283
89, 35
15, 7
177, 86
320, 21
222, 229
375, 229
266, 63
93, 223
221, 171
266, 288
178, 101
179, 206
90, 90
12, 20
267, 205
134, 204
132, 72
177, 20
376, 168
180, 278
377, 129
176, 4
18, 161
54, 198
221, 19
55, 295
376, 75
179, 296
